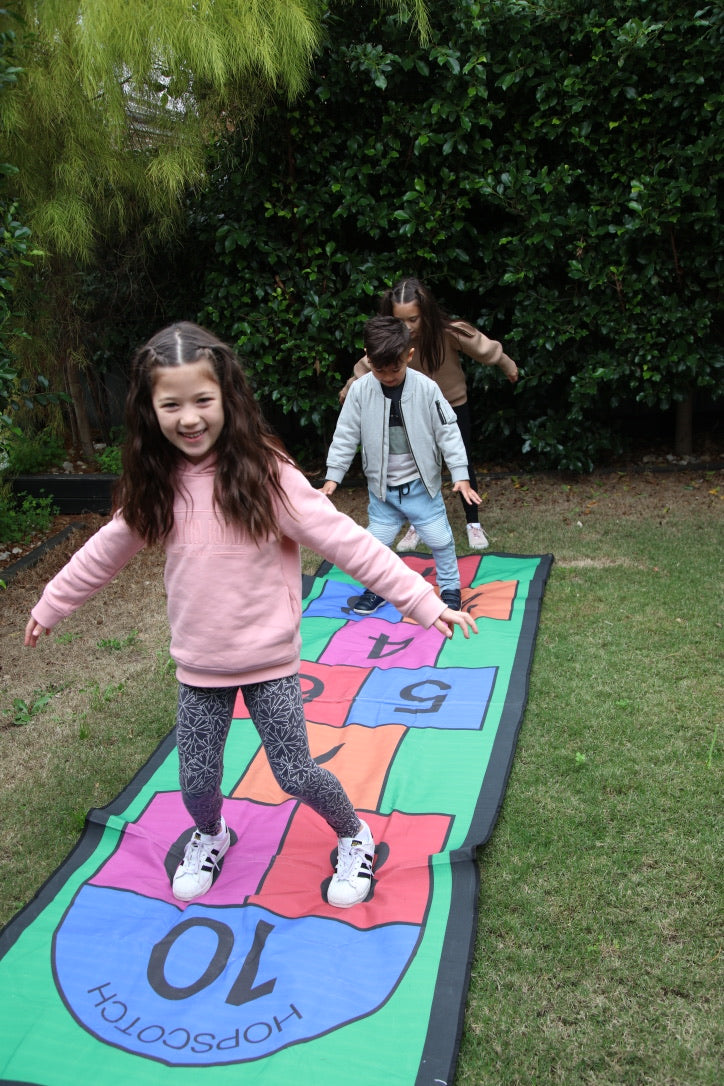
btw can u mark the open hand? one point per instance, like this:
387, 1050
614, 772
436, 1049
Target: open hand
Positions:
462, 486
449, 619
33, 631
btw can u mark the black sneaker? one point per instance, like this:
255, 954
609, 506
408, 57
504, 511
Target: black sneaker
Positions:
452, 597
368, 603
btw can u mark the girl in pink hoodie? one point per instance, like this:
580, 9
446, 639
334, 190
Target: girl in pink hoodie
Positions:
204, 477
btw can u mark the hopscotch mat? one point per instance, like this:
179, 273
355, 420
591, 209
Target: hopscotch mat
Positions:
105, 975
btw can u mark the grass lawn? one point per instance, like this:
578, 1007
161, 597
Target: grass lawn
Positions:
599, 949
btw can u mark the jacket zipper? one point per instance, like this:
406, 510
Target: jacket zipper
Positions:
412, 451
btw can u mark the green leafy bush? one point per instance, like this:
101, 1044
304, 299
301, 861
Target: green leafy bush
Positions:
110, 459
551, 171
17, 393
21, 516
34, 453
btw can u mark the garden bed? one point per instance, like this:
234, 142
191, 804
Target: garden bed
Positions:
72, 493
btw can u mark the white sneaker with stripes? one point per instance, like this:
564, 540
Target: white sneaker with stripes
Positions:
352, 880
201, 863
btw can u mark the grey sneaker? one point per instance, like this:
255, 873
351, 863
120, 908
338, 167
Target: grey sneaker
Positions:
352, 880
409, 540
452, 597
201, 863
477, 539
368, 603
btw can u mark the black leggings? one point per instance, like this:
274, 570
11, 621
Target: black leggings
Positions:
276, 709
463, 416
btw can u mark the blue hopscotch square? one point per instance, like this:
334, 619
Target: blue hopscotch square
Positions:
337, 599
453, 698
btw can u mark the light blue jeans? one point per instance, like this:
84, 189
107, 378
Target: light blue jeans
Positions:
428, 517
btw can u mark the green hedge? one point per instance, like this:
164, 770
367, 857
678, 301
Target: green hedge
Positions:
550, 170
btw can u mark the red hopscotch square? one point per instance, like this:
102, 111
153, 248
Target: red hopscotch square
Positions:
425, 566
328, 691
293, 885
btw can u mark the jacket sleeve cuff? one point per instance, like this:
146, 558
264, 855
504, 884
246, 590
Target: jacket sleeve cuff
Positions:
335, 475
45, 615
428, 609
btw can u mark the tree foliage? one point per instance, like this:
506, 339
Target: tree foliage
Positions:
117, 99
16, 253
108, 123
551, 169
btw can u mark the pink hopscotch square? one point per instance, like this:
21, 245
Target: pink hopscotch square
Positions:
377, 643
139, 864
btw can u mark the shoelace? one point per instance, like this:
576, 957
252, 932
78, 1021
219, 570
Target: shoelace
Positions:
354, 861
477, 535
192, 854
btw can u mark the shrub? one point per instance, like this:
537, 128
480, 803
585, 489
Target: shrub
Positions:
110, 459
21, 516
551, 171
31, 454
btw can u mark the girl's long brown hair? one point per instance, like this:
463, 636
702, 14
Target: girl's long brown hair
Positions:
248, 452
434, 321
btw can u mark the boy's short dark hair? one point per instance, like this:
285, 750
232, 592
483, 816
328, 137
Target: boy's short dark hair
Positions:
385, 339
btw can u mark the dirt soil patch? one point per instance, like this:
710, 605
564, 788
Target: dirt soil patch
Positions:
132, 608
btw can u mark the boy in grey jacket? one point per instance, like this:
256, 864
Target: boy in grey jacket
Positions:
405, 428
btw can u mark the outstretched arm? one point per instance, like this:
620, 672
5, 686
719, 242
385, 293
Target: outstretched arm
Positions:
92, 567
488, 351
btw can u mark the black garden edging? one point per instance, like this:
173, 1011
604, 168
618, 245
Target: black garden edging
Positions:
75, 493
33, 557
71, 493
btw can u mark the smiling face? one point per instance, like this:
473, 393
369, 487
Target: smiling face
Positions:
188, 405
410, 314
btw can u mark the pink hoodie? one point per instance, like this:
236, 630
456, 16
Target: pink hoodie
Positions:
234, 606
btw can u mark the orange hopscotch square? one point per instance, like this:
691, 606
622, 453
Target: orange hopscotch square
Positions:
492, 600
360, 757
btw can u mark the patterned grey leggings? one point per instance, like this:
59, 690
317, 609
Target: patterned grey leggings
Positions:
276, 709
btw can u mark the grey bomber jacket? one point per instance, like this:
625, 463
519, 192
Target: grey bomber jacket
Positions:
429, 421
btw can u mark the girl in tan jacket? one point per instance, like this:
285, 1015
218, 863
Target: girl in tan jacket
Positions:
438, 341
